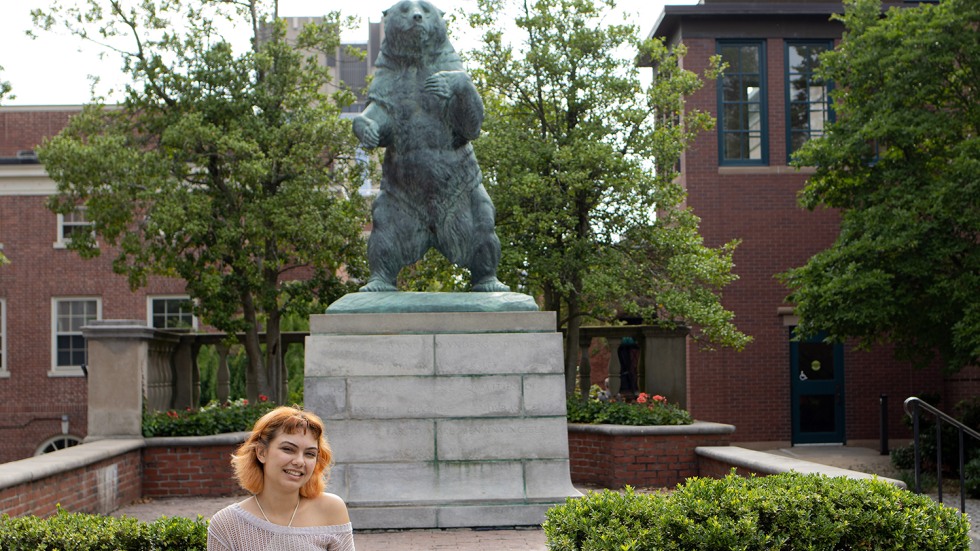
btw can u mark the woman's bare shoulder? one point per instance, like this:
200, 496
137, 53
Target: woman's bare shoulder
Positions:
330, 509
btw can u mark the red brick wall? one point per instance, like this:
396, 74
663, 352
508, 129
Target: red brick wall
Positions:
188, 471
24, 128
75, 490
654, 461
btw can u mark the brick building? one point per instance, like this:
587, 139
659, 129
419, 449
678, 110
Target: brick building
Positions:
48, 292
739, 182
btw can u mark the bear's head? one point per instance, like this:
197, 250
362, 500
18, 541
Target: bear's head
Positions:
414, 29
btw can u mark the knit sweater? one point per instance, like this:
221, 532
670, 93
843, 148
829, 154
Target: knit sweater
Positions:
235, 529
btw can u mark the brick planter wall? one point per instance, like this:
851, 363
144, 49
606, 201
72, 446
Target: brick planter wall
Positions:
613, 456
93, 478
190, 465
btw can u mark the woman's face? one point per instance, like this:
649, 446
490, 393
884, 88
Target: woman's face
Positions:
289, 459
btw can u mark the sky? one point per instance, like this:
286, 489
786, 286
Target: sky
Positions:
53, 69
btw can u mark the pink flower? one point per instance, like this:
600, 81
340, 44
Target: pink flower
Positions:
244, 401
659, 398
642, 398
172, 414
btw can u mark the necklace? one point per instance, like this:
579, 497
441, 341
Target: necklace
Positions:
290, 525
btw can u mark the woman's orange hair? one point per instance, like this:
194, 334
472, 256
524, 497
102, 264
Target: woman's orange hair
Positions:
290, 420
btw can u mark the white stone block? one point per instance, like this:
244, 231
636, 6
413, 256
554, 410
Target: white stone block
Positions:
326, 397
434, 397
392, 440
492, 515
544, 395
432, 323
372, 518
369, 356
548, 479
490, 439
498, 353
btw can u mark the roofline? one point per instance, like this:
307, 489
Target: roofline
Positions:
669, 19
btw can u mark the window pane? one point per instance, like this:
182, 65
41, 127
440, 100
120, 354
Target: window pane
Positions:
809, 107
742, 96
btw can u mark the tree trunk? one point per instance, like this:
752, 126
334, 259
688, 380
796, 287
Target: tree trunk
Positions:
275, 366
256, 376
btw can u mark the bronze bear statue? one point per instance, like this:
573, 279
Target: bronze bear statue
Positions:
424, 110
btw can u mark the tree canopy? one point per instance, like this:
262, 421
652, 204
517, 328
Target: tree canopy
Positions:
579, 158
902, 163
230, 170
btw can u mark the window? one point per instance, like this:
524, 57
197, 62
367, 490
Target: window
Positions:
72, 224
69, 316
742, 104
171, 313
807, 101
57, 443
4, 372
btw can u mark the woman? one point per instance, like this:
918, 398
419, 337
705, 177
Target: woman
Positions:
283, 464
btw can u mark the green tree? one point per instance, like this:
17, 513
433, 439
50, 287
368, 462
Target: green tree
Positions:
902, 163
579, 158
232, 171
5, 87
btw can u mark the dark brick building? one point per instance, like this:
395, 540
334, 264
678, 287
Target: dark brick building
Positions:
48, 292
739, 182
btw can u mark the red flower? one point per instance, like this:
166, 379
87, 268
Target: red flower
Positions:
659, 398
262, 398
245, 401
172, 414
642, 398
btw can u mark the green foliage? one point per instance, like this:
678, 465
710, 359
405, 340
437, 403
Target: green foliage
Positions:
233, 171
214, 418
646, 410
902, 163
972, 471
85, 532
5, 89
789, 511
578, 157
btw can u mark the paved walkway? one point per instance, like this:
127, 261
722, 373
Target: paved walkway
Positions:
528, 539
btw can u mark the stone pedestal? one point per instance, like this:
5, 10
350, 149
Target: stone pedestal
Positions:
441, 420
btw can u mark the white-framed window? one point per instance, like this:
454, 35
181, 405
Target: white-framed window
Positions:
170, 312
56, 443
71, 224
4, 370
68, 316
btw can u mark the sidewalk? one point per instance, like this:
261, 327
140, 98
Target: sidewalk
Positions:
855, 458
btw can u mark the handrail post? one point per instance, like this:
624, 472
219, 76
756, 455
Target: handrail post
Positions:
962, 473
939, 457
918, 449
883, 444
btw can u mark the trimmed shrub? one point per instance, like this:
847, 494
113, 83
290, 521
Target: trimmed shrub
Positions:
788, 511
85, 532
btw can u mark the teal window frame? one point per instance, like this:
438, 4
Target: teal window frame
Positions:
805, 104
736, 105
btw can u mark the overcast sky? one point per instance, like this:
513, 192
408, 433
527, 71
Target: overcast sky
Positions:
53, 69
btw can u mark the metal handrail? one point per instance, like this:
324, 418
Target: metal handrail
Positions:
916, 404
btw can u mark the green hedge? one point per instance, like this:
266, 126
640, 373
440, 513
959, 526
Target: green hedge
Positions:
780, 512
644, 411
85, 532
213, 418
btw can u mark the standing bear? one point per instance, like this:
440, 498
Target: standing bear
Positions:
424, 110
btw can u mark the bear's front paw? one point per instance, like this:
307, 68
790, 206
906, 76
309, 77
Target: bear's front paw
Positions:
439, 85
366, 131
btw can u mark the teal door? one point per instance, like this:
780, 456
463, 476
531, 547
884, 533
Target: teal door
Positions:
817, 391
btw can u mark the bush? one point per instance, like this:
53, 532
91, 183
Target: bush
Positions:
646, 410
85, 532
211, 419
966, 412
788, 511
